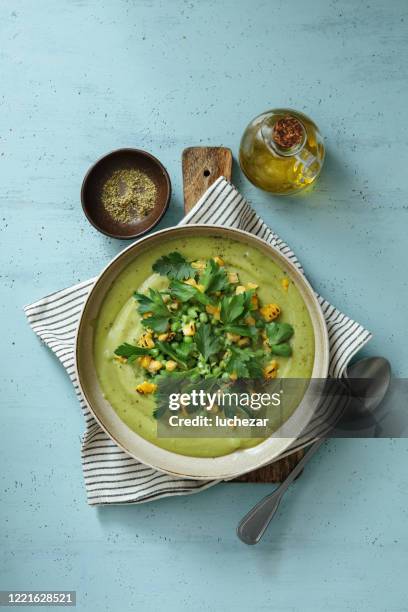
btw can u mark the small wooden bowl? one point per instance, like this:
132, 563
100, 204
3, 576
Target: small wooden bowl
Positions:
102, 170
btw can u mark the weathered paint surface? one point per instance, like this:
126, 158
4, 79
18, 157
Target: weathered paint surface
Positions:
81, 78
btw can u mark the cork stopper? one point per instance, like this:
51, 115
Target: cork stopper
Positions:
288, 132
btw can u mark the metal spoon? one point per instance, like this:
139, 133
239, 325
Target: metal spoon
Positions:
368, 380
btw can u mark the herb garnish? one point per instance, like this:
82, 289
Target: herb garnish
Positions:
152, 304
130, 352
207, 343
205, 325
184, 292
213, 278
174, 266
278, 334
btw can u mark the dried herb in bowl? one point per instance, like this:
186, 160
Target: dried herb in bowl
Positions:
127, 194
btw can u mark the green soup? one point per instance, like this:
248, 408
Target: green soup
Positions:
118, 322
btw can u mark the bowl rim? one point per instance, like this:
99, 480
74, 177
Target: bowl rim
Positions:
282, 443
91, 169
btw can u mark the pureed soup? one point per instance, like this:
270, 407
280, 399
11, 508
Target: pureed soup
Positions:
246, 279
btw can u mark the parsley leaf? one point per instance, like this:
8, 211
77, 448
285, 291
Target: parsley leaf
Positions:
153, 303
207, 343
278, 332
184, 292
130, 352
174, 266
157, 323
238, 362
214, 278
244, 363
284, 349
232, 307
242, 330
167, 383
184, 350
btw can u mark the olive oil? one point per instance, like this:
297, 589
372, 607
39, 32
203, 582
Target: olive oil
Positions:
281, 151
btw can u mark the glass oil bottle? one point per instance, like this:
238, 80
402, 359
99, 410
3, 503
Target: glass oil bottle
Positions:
282, 151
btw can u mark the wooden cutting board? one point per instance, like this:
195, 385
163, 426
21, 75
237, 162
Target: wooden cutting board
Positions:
201, 167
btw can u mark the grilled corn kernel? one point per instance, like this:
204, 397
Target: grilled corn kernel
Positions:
215, 311
254, 302
219, 260
270, 312
146, 387
146, 315
250, 320
145, 361
240, 289
171, 365
233, 278
252, 286
167, 336
198, 265
189, 329
120, 359
233, 376
285, 283
146, 340
233, 337
271, 369
154, 366
243, 342
193, 283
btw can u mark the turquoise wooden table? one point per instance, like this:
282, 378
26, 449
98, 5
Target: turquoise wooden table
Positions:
81, 78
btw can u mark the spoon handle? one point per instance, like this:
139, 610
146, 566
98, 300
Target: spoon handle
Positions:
254, 524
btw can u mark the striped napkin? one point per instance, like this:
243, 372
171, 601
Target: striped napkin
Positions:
111, 475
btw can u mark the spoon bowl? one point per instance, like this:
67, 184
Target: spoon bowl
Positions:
368, 381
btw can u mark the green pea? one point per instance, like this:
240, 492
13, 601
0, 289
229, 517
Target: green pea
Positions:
203, 317
222, 364
225, 376
154, 352
184, 318
175, 344
216, 371
192, 313
188, 340
176, 326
